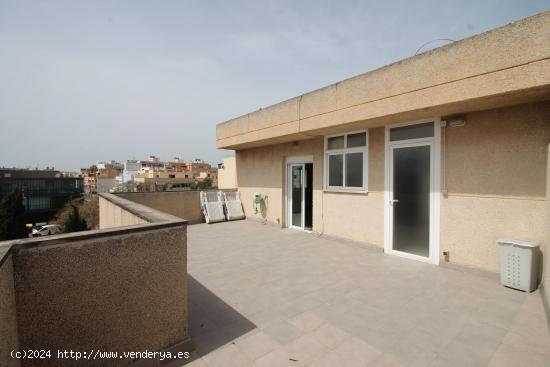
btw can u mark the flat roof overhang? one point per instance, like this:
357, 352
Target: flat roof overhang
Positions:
502, 67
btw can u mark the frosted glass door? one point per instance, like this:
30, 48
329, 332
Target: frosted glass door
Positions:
411, 199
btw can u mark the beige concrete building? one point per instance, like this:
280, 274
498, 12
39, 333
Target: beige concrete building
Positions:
165, 177
433, 158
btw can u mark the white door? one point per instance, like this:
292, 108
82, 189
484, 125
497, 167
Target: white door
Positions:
296, 195
410, 188
412, 191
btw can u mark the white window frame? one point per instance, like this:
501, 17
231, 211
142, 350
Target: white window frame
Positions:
344, 151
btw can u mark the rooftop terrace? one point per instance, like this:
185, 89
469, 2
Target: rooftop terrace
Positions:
253, 295
262, 296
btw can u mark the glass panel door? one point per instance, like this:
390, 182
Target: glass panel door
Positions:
411, 199
297, 194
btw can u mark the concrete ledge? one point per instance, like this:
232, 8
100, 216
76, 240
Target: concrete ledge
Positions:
181, 204
146, 213
71, 289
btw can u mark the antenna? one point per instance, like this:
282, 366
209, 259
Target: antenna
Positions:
436, 39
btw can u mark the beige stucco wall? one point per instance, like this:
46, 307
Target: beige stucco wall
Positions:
111, 215
496, 182
123, 292
495, 176
182, 204
360, 217
227, 176
9, 337
263, 170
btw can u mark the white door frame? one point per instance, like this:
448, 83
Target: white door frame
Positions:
435, 189
292, 161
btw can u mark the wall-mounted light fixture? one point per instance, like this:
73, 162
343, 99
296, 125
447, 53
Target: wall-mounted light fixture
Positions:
456, 122
295, 145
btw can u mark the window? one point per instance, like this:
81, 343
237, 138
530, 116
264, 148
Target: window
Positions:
346, 160
417, 131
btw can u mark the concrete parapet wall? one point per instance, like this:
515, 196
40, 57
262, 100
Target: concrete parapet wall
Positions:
119, 289
181, 204
9, 337
123, 292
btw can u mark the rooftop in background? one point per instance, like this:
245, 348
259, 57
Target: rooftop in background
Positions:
28, 173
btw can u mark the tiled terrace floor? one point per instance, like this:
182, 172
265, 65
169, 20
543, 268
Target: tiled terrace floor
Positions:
262, 296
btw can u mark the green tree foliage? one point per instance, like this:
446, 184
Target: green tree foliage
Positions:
12, 217
89, 211
74, 222
204, 185
79, 215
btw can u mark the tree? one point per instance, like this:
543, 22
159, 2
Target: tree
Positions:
89, 211
12, 216
74, 223
205, 184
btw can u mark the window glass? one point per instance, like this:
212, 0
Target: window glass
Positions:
354, 169
335, 170
357, 140
412, 132
336, 142
345, 167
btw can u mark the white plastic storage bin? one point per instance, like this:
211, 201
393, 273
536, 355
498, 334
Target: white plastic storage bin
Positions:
519, 264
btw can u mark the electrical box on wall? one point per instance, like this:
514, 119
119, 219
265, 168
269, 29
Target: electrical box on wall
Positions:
257, 198
257, 202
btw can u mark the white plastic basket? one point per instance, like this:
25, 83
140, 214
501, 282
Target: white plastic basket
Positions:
519, 264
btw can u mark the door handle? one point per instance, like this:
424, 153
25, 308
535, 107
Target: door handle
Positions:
393, 201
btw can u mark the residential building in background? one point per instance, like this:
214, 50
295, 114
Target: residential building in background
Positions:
110, 165
44, 191
107, 172
165, 181
131, 169
177, 165
152, 163
106, 184
197, 166
151, 174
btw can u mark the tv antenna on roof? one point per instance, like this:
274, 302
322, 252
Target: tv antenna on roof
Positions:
437, 39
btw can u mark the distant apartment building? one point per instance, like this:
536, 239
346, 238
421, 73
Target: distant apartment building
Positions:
177, 165
131, 169
44, 191
102, 174
198, 166
151, 174
90, 180
153, 163
110, 165
156, 181
106, 184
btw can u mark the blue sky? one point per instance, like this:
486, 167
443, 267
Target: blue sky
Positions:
84, 81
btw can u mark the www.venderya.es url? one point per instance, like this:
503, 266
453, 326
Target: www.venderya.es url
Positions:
95, 354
